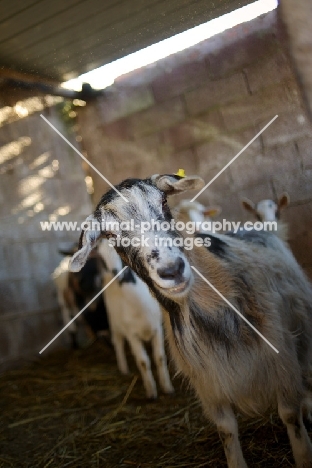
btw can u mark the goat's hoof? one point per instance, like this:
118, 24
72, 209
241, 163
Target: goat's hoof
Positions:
151, 396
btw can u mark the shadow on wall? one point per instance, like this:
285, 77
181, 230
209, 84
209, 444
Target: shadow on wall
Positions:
41, 180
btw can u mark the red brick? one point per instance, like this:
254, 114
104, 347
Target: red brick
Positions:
287, 127
269, 71
118, 130
227, 200
179, 79
298, 185
151, 143
240, 46
128, 159
219, 185
157, 117
216, 93
192, 131
225, 147
301, 248
305, 150
298, 218
260, 107
186, 160
124, 101
160, 151
257, 168
214, 154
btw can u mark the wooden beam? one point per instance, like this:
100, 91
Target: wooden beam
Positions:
9, 73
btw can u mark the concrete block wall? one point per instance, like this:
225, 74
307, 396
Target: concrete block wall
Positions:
41, 179
197, 109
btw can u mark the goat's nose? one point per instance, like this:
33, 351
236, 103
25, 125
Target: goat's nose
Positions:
172, 270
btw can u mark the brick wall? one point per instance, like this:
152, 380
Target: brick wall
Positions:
41, 179
196, 109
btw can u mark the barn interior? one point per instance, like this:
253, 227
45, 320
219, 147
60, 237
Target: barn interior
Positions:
193, 109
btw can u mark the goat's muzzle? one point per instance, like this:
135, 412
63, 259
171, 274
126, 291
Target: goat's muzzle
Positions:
174, 278
173, 271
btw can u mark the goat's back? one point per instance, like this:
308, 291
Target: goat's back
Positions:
221, 355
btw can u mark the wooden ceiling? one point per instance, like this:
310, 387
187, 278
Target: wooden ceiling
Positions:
60, 39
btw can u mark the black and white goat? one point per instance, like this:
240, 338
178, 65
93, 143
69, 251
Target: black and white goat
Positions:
230, 367
75, 290
134, 316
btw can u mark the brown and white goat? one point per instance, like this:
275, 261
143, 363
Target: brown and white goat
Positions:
230, 367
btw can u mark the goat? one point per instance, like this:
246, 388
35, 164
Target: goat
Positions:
266, 210
134, 316
229, 366
195, 212
74, 291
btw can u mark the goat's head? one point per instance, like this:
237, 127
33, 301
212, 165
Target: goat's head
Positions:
266, 210
157, 258
195, 212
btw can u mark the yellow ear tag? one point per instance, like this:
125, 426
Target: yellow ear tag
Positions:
181, 173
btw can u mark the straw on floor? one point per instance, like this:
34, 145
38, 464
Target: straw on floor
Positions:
74, 409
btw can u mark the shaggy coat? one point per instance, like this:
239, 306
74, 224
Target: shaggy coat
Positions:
230, 366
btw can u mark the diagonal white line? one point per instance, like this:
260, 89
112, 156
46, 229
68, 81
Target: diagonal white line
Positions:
82, 310
235, 310
83, 157
235, 157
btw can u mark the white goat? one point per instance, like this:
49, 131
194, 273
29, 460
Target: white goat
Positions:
134, 316
266, 210
195, 212
228, 364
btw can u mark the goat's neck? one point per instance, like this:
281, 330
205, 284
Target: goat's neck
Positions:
201, 294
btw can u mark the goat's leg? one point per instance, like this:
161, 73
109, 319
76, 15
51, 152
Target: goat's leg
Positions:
291, 415
290, 401
119, 346
225, 420
144, 365
68, 312
161, 361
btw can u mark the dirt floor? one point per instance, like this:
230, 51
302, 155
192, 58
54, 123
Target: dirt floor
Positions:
73, 409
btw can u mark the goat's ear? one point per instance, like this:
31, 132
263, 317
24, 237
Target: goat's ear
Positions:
87, 241
248, 205
283, 201
172, 185
212, 211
